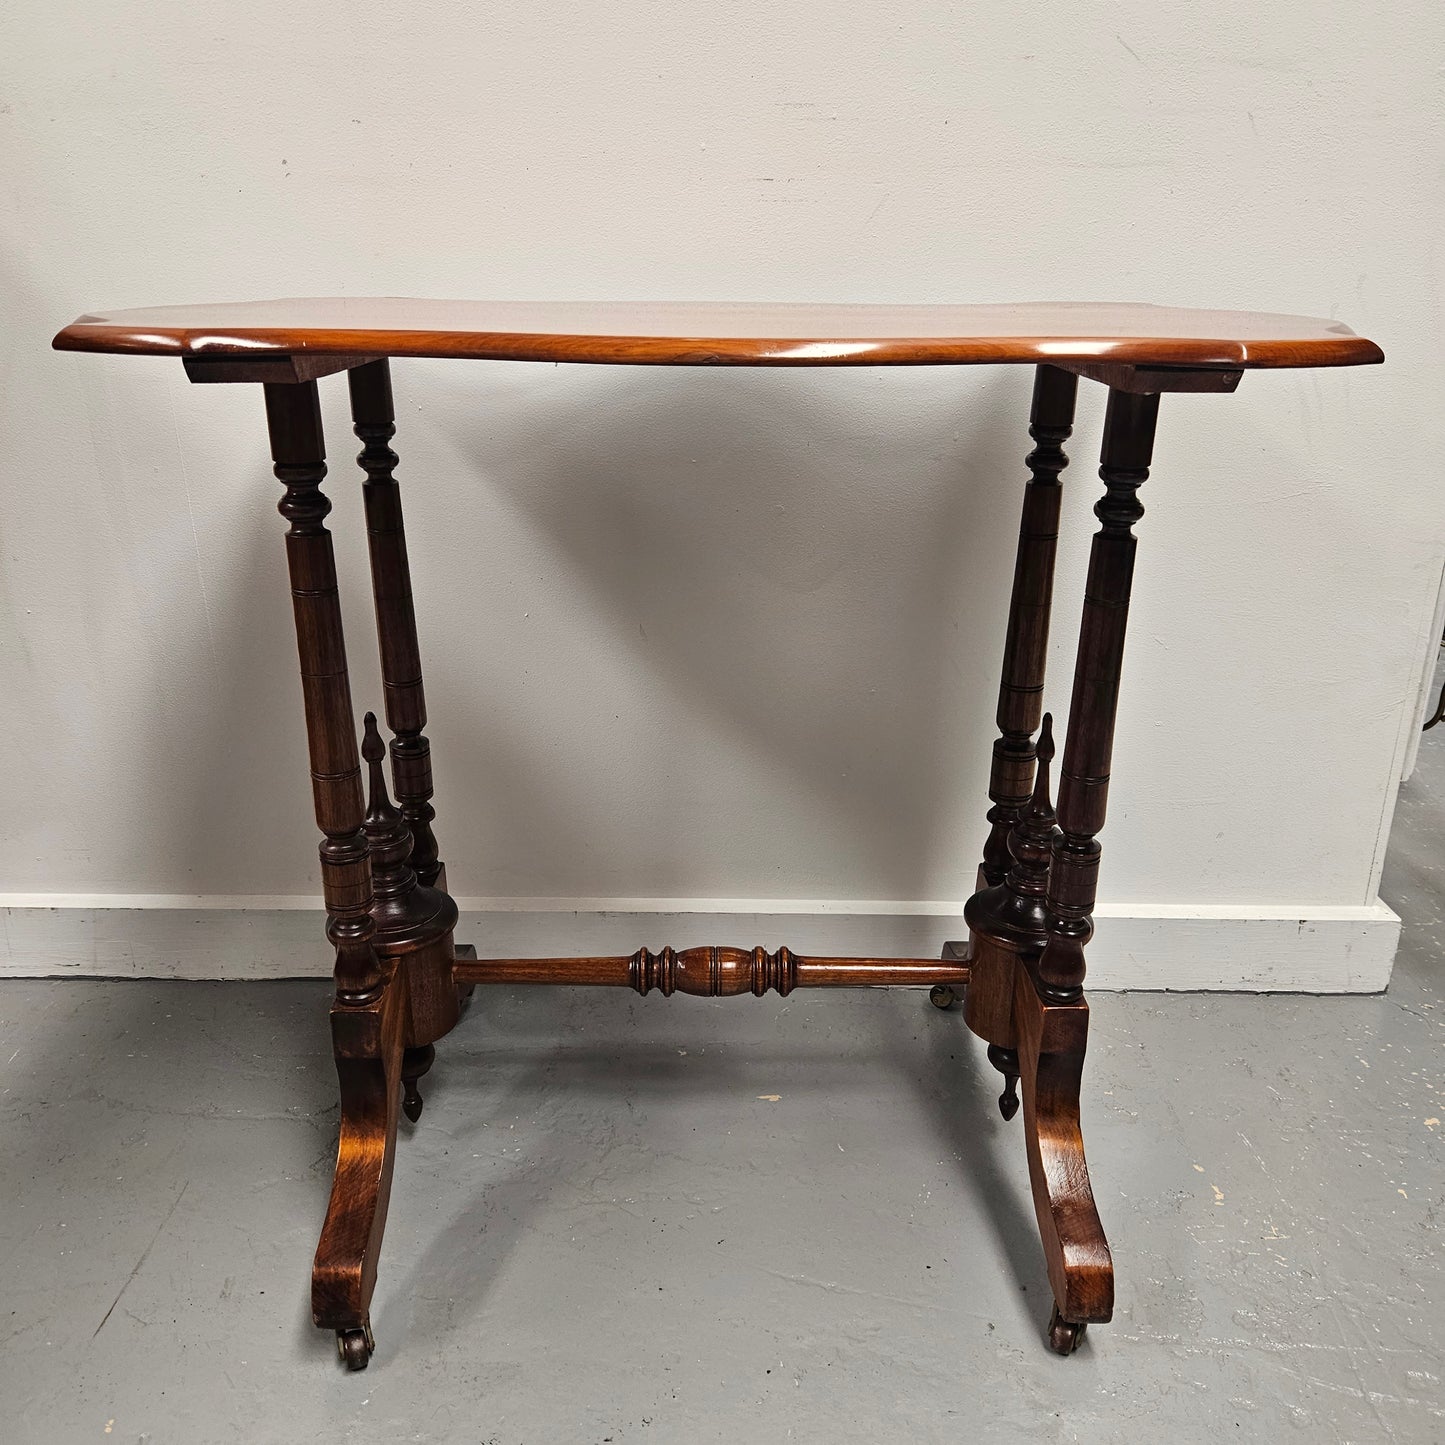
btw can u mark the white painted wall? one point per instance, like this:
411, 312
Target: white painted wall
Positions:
720, 636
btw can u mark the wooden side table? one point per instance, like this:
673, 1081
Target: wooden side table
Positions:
401, 978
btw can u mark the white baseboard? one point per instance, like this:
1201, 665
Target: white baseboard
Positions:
1140, 946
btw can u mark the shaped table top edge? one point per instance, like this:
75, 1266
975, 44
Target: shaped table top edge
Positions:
726, 334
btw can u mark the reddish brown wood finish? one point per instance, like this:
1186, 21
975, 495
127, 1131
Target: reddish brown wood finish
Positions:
415, 1064
728, 333
1084, 778
367, 1041
368, 1018
1008, 924
1009, 927
274, 367
1052, 1040
416, 916
394, 882
1021, 687
293, 413
414, 924
1148, 380
1032, 928
713, 972
399, 973
988, 1006
374, 413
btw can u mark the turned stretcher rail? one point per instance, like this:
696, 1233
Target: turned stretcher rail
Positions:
713, 972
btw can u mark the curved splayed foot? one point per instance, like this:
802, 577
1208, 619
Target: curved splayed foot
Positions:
1051, 1060
368, 1050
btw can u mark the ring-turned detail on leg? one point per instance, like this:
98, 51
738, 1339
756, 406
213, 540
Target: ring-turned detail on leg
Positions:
1052, 1016
374, 413
1021, 683
413, 924
1084, 778
368, 1015
416, 925
1014, 912
992, 950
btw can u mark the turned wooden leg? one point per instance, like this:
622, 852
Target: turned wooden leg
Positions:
1049, 1008
1021, 686
1009, 921
415, 923
293, 413
374, 414
1088, 750
1001, 922
368, 1015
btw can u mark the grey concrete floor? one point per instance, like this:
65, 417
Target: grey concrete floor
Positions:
695, 1220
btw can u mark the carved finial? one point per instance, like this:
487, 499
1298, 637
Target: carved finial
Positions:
1031, 842
382, 815
386, 830
1031, 846
372, 747
1045, 751
414, 1063
1006, 1061
400, 905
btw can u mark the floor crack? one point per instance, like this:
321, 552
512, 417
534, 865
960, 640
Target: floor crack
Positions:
145, 1256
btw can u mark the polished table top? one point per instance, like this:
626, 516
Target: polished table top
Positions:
400, 976
723, 333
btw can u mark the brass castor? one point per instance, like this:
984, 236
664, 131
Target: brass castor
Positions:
355, 1346
1064, 1335
941, 995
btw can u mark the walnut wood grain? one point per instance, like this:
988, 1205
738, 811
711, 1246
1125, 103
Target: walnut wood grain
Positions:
1010, 921
367, 1041
276, 367
399, 974
726, 333
712, 972
293, 414
988, 1005
1128, 447
1052, 1041
1026, 642
374, 415
414, 922
415, 914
